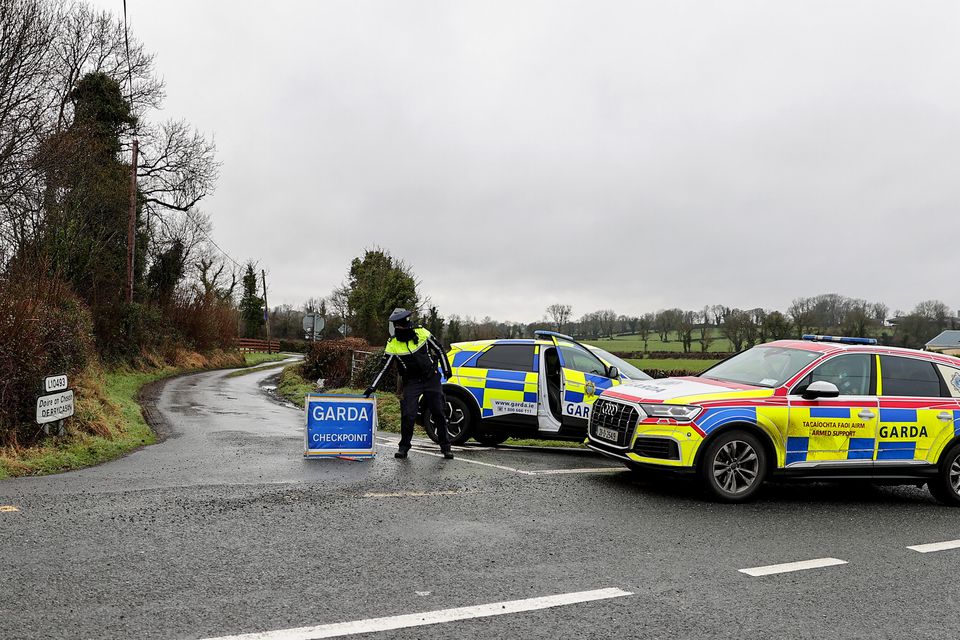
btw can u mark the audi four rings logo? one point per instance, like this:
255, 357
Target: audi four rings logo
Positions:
608, 409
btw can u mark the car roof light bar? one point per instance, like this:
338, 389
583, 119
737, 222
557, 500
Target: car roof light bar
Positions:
842, 339
553, 334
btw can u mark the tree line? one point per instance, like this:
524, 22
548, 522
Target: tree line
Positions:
378, 282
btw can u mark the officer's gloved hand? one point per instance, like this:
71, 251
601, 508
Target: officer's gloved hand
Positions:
368, 392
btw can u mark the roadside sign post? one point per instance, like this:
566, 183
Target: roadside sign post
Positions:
340, 426
312, 323
56, 405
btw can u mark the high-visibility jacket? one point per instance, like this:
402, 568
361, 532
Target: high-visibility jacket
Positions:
416, 359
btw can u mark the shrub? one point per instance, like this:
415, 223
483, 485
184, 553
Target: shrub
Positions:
204, 322
293, 346
331, 360
366, 372
669, 373
45, 331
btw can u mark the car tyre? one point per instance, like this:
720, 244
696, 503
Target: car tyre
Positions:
734, 466
945, 487
491, 439
459, 421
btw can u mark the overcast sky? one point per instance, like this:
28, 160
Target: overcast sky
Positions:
626, 155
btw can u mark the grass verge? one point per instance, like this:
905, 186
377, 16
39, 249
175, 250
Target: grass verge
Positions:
294, 387
252, 359
108, 421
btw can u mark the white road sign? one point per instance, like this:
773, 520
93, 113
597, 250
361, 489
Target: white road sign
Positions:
55, 406
313, 323
54, 383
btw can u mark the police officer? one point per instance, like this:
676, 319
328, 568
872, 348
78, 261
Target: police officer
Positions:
417, 354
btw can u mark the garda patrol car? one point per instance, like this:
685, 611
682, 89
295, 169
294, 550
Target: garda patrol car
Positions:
821, 407
541, 388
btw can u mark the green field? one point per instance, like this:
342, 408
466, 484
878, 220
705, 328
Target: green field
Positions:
635, 344
672, 363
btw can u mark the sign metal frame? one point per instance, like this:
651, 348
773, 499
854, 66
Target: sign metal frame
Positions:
312, 399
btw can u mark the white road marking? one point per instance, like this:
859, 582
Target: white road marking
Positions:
416, 448
936, 546
483, 464
409, 494
371, 625
550, 472
792, 566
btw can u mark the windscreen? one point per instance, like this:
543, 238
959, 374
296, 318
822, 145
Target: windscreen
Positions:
762, 366
627, 369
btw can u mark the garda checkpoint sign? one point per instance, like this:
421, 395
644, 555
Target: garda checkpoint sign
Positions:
340, 425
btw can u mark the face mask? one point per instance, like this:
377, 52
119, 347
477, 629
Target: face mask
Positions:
405, 334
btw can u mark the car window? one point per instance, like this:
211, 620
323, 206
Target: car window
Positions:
909, 377
579, 360
512, 357
627, 369
952, 377
851, 373
762, 366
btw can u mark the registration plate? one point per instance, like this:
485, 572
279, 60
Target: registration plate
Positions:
608, 434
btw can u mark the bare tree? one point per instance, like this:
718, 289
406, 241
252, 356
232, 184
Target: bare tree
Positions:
802, 314
559, 314
706, 336
27, 32
644, 327
686, 323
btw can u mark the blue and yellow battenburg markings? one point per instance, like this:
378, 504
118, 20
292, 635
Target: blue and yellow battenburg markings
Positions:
499, 391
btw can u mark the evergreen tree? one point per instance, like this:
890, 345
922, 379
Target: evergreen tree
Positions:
376, 285
251, 304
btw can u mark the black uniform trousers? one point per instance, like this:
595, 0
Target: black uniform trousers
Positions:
432, 394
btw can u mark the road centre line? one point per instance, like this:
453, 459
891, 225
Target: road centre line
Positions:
792, 566
936, 546
389, 623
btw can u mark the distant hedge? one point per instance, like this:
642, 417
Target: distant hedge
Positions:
673, 355
669, 373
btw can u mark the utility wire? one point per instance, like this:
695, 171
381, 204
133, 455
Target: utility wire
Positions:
126, 43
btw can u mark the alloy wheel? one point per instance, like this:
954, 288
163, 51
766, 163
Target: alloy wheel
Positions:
455, 421
736, 466
955, 475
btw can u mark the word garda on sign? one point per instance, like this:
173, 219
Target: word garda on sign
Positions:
340, 426
55, 406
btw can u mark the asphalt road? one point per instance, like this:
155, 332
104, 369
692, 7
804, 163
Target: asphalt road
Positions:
224, 529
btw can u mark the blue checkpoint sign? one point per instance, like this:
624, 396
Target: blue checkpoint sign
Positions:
340, 425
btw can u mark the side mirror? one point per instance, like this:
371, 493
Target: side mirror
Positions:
821, 389
613, 372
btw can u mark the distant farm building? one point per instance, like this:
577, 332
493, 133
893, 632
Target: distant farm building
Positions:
947, 342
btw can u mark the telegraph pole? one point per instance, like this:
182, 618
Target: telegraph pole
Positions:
266, 308
132, 222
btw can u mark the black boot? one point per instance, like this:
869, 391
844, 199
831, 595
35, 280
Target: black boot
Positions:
402, 454
447, 454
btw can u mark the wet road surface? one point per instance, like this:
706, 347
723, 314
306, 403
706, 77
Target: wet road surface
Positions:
223, 528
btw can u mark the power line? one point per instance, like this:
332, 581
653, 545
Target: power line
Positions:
126, 43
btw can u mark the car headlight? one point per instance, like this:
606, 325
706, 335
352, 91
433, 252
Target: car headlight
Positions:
679, 412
